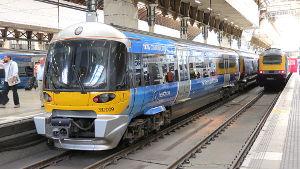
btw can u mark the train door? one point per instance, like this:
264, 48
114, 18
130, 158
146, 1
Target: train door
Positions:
183, 75
135, 79
226, 70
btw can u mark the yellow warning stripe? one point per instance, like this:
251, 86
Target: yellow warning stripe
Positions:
280, 111
14, 115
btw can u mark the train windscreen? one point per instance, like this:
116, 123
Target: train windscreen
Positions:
86, 64
272, 60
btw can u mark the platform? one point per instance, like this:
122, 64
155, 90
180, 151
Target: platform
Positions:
277, 145
30, 106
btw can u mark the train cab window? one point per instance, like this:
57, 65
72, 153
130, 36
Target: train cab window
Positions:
86, 64
272, 60
118, 57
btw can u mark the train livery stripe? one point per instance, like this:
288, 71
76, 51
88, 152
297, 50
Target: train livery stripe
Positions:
102, 37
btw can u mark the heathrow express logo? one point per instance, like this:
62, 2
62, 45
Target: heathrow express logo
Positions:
155, 47
156, 94
209, 82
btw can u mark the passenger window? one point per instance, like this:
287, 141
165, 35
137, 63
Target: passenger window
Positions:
138, 70
153, 73
213, 70
232, 63
171, 73
2, 73
158, 69
196, 63
193, 74
206, 66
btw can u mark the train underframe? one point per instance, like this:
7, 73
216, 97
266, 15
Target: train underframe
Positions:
269, 80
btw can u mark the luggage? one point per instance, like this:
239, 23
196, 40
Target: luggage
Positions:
3, 100
31, 83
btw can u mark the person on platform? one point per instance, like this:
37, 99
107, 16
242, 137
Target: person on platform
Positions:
11, 71
39, 78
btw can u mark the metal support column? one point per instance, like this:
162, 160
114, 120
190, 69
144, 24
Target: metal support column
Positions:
205, 33
220, 37
230, 39
151, 16
29, 38
239, 43
184, 28
92, 6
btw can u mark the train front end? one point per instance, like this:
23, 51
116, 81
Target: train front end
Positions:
273, 68
87, 99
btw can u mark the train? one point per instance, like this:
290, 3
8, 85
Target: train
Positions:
293, 65
25, 63
107, 84
274, 68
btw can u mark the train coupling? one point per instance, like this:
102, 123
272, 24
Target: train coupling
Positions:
61, 128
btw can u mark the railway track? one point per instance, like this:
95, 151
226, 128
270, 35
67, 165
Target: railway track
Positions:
124, 153
111, 159
244, 151
184, 160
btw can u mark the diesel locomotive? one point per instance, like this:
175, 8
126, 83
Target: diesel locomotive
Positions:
273, 68
105, 84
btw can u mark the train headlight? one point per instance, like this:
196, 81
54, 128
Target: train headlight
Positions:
282, 72
47, 97
103, 98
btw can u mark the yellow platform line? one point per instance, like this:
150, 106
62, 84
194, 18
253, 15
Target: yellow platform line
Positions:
37, 111
280, 111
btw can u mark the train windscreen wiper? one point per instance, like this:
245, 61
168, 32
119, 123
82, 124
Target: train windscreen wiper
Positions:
79, 81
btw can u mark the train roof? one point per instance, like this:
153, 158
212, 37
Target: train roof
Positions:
177, 41
93, 30
160, 43
272, 51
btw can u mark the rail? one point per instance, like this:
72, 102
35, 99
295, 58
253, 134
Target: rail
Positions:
197, 148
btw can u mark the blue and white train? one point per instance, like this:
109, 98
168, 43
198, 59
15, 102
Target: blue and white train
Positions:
105, 84
25, 65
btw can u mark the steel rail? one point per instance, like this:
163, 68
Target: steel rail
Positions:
196, 149
50, 161
244, 151
123, 153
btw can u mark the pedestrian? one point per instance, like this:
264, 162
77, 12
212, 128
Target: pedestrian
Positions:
39, 78
11, 76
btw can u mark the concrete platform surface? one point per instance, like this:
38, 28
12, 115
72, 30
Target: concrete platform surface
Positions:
277, 145
30, 106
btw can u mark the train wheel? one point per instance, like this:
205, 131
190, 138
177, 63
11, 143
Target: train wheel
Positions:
241, 87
